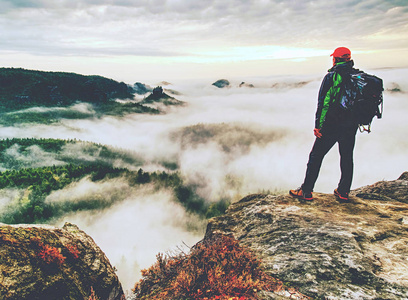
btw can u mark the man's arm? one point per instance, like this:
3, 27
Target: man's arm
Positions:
324, 88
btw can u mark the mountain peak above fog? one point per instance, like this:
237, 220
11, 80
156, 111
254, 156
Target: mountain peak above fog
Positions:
158, 95
328, 249
221, 83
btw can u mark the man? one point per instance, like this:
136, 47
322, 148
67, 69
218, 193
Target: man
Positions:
334, 123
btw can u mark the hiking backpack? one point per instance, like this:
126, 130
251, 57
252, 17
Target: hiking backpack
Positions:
363, 96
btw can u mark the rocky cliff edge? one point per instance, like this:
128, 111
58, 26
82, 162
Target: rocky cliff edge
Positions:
325, 248
44, 262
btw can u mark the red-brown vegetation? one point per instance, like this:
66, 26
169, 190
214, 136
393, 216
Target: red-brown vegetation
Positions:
93, 295
47, 253
216, 268
73, 250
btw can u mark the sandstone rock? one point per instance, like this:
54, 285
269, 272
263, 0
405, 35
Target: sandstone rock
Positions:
44, 262
328, 249
396, 190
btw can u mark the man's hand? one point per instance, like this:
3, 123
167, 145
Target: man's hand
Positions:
317, 133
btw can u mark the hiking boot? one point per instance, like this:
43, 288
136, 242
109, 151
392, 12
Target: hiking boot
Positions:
341, 196
298, 193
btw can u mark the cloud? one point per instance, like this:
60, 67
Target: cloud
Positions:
106, 192
133, 231
231, 138
13, 4
83, 108
181, 28
78, 152
8, 195
31, 157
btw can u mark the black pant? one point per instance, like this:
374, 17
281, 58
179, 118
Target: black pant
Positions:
346, 138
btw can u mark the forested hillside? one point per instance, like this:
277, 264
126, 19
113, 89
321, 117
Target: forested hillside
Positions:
22, 88
26, 187
59, 92
18, 153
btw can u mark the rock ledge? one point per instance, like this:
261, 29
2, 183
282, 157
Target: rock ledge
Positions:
328, 249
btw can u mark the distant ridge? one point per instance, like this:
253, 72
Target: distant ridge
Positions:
21, 88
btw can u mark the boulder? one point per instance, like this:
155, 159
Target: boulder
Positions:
325, 248
45, 262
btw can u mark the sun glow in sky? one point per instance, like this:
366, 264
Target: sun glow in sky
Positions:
139, 40
249, 53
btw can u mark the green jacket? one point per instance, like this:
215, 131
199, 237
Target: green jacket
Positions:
329, 113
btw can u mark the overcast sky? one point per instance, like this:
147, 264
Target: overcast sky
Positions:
137, 40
